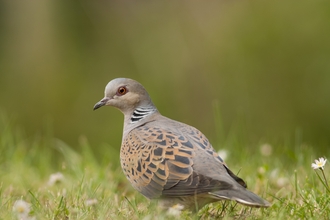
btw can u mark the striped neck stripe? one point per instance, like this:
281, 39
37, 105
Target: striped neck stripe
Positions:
141, 113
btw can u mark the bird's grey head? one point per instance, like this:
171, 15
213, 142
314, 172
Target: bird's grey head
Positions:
125, 94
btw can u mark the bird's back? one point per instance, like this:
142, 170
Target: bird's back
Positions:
164, 158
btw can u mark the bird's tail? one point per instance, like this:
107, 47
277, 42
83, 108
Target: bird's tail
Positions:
242, 196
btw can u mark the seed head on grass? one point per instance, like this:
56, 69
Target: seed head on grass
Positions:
91, 202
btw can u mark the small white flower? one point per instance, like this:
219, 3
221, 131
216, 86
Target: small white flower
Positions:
319, 164
22, 210
261, 170
55, 178
223, 154
266, 150
21, 207
282, 181
292, 211
90, 202
175, 210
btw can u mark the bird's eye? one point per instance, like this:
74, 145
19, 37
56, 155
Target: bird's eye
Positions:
121, 91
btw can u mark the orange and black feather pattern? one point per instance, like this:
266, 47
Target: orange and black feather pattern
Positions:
165, 162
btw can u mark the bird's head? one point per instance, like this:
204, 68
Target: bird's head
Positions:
125, 94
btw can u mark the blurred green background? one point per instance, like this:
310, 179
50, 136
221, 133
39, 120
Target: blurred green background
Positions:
256, 69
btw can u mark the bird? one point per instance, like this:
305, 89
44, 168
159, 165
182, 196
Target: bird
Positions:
167, 160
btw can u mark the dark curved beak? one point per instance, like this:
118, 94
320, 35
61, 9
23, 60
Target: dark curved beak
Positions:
101, 103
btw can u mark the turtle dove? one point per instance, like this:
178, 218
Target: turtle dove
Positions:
169, 160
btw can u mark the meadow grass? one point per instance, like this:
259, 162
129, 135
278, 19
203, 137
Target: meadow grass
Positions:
95, 188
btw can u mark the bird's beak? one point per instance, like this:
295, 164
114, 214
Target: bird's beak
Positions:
101, 103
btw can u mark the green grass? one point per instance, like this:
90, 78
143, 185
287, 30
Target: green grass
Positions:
284, 178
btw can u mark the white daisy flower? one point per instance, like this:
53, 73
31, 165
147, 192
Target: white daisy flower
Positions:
266, 150
55, 178
175, 210
22, 210
21, 207
319, 164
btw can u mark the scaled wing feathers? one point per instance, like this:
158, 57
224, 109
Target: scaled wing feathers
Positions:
159, 162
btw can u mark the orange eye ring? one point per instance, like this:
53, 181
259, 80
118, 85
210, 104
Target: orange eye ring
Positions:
122, 91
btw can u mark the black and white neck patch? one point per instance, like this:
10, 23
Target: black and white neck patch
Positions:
141, 113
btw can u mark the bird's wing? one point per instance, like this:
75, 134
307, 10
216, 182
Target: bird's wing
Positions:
163, 162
